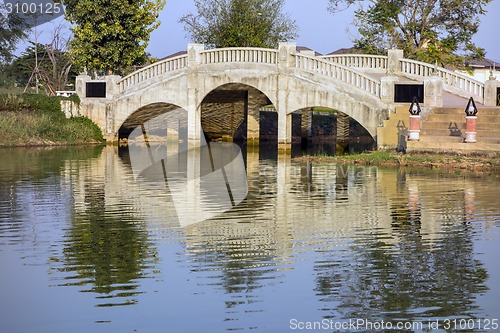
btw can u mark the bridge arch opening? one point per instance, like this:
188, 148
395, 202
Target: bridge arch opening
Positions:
324, 130
149, 112
232, 112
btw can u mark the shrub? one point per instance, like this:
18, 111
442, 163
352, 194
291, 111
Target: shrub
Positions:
32, 119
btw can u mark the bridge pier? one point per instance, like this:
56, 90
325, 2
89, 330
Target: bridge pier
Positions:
194, 131
286, 60
342, 131
194, 125
284, 132
306, 126
252, 109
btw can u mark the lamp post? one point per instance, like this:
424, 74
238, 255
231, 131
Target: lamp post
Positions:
414, 120
470, 121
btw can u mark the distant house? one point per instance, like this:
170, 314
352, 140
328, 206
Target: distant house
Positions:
307, 51
349, 50
173, 55
482, 69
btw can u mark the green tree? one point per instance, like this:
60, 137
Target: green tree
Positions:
240, 23
12, 29
111, 35
428, 30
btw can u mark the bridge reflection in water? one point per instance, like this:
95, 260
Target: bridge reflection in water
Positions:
309, 241
369, 232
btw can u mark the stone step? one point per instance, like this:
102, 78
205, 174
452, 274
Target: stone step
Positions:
494, 140
453, 147
488, 133
425, 132
442, 124
400, 113
448, 124
397, 117
461, 118
481, 126
441, 138
403, 109
461, 111
457, 132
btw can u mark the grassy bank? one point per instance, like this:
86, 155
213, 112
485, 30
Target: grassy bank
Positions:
37, 120
391, 158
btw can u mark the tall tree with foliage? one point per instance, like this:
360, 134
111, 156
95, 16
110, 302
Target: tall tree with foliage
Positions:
240, 23
428, 30
111, 35
12, 29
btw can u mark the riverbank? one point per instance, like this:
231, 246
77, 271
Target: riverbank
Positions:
37, 120
479, 163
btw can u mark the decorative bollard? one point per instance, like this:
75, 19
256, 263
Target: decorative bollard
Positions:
414, 120
470, 121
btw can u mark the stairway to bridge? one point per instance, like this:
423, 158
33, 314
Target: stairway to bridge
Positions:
443, 130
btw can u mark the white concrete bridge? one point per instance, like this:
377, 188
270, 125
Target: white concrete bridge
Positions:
225, 87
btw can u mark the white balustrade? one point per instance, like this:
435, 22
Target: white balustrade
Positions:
452, 80
338, 68
366, 61
153, 70
247, 55
339, 72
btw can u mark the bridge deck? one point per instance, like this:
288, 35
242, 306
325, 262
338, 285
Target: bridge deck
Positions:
454, 101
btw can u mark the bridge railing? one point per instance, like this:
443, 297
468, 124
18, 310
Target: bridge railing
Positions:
257, 55
156, 69
366, 61
339, 72
453, 81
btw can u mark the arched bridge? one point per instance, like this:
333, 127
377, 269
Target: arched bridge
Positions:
223, 87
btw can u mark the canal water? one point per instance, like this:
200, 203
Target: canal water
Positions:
85, 247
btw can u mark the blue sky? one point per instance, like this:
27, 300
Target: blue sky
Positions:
318, 29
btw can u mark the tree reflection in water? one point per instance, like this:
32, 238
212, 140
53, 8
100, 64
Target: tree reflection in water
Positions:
33, 172
403, 275
107, 252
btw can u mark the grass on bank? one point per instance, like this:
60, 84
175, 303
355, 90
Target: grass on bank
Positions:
432, 160
31, 120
